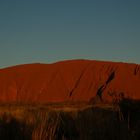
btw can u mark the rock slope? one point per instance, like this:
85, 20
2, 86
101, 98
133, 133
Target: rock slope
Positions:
73, 80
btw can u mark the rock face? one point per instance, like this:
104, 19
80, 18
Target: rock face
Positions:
74, 80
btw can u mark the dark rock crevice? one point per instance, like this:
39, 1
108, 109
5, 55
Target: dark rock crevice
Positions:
103, 87
110, 78
136, 70
100, 91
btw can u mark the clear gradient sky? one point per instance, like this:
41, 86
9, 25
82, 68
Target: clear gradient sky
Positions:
45, 31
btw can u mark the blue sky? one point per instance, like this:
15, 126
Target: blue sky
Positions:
46, 31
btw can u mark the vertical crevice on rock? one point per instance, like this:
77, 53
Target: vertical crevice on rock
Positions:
78, 80
110, 78
136, 69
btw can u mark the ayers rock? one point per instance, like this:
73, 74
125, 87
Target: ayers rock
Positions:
73, 80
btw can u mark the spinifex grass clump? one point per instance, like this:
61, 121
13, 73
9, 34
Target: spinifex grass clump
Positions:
45, 126
54, 126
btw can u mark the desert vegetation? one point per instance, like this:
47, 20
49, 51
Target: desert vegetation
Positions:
70, 122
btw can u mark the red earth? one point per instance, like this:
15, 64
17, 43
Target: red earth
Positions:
73, 80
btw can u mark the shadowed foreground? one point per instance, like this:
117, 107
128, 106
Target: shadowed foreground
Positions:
100, 122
